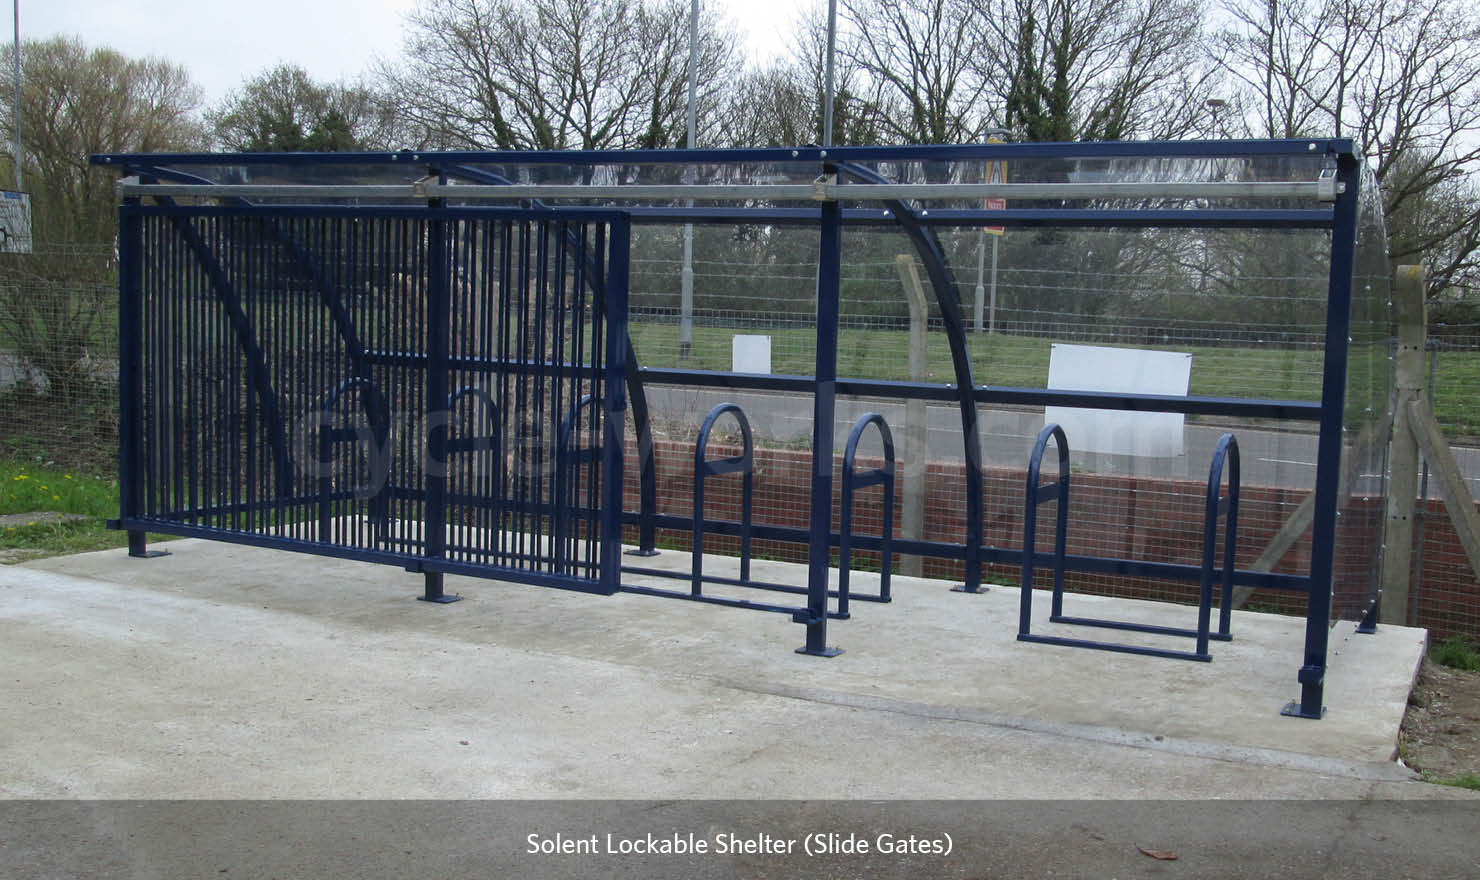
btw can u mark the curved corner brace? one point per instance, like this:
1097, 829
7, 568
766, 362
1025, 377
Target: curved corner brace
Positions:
636, 397
939, 271
328, 294
246, 339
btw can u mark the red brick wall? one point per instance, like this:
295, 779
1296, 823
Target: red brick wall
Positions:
1119, 516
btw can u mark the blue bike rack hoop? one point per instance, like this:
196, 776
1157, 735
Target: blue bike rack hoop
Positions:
1217, 505
853, 481
744, 463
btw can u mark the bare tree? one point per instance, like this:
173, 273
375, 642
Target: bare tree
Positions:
918, 60
772, 107
1094, 69
283, 109
782, 105
550, 74
1400, 77
661, 118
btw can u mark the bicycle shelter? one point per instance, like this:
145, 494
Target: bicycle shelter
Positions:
428, 359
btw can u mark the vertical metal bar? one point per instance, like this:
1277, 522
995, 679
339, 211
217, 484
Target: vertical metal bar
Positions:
506, 490
1061, 525
545, 416
1210, 549
824, 397
592, 551
178, 379
253, 271
523, 483
438, 309
615, 404
212, 341
1030, 541
845, 532
696, 548
886, 547
1230, 543
190, 294
1312, 675
130, 385
747, 496
559, 383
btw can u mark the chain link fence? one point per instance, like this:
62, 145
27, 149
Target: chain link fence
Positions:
59, 357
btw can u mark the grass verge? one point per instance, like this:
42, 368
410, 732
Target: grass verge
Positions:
1455, 653
27, 487
1468, 780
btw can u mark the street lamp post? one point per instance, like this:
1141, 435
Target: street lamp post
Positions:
16, 108
686, 295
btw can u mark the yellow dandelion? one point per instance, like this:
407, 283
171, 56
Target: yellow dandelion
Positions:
56, 498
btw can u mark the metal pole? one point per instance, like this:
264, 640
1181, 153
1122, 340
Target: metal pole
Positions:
824, 400
686, 297
827, 105
981, 259
16, 108
992, 314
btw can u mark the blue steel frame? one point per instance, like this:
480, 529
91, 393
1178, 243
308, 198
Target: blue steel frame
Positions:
1340, 220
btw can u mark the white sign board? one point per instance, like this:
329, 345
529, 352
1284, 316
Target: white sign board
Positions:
15, 222
1117, 432
750, 354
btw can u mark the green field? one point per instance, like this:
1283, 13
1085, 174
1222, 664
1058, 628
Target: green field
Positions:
995, 360
1217, 371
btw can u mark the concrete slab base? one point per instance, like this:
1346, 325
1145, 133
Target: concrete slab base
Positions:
236, 672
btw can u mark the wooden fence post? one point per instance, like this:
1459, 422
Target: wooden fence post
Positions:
1410, 316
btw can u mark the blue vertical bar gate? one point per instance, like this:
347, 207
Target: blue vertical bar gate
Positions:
411, 400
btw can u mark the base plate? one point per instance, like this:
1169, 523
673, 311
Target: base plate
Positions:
440, 600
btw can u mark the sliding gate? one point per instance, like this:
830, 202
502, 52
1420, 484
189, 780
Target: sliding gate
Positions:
437, 388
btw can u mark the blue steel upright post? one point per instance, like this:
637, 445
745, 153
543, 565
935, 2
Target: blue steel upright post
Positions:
439, 295
130, 389
617, 346
1312, 676
824, 398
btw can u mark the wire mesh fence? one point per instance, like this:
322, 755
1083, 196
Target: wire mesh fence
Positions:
59, 356
1444, 592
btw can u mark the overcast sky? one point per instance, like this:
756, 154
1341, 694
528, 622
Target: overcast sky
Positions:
222, 42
